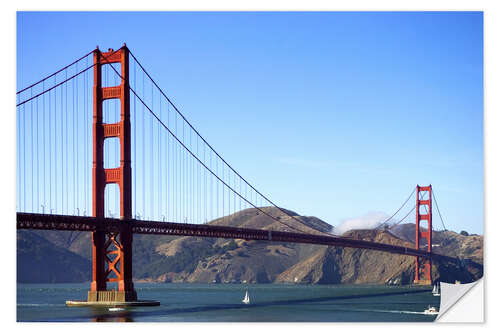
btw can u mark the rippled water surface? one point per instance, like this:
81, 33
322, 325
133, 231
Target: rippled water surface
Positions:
222, 303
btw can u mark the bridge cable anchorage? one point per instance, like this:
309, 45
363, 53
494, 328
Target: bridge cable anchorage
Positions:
217, 154
55, 73
197, 159
381, 224
442, 222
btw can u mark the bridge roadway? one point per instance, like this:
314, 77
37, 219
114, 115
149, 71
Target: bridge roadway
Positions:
85, 223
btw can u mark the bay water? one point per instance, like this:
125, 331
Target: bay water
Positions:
222, 303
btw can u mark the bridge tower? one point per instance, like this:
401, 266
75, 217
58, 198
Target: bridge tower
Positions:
423, 213
112, 251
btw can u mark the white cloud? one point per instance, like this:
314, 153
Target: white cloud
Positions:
368, 221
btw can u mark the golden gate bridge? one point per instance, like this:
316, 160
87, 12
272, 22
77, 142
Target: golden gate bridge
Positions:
110, 154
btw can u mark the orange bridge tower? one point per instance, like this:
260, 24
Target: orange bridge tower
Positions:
423, 238
112, 251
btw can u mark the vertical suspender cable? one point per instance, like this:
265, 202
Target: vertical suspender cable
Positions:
437, 206
152, 160
55, 165
183, 197
234, 195
217, 188
85, 122
74, 146
43, 145
211, 191
135, 144
24, 157
160, 187
49, 203
198, 177
31, 156
174, 175
55, 150
106, 153
143, 153
168, 173
18, 152
18, 158
75, 115
223, 194
205, 183
67, 144
37, 162
62, 149
191, 180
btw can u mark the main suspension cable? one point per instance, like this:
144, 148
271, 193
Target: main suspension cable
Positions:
437, 206
194, 156
55, 73
62, 82
387, 220
55, 86
395, 224
201, 137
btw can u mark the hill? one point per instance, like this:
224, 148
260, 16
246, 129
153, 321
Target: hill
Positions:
214, 260
447, 242
40, 261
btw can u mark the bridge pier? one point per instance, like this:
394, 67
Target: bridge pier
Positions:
112, 296
112, 250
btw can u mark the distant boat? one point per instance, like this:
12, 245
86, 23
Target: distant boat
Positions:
246, 300
431, 311
116, 309
435, 291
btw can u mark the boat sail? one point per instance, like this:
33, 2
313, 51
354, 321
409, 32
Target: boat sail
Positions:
246, 300
435, 290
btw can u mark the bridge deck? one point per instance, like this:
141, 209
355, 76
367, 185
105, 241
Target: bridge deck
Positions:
84, 223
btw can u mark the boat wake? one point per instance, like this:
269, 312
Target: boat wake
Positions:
394, 311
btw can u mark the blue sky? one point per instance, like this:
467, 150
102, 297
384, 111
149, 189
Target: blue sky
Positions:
336, 115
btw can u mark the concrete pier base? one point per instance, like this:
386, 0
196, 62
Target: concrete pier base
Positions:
112, 298
422, 282
113, 303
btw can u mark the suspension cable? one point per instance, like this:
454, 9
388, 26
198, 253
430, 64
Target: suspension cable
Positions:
201, 137
55, 73
427, 211
199, 161
55, 86
205, 166
229, 166
66, 80
411, 194
395, 224
437, 206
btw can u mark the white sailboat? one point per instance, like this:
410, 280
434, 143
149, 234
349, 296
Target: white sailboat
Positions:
435, 290
246, 300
